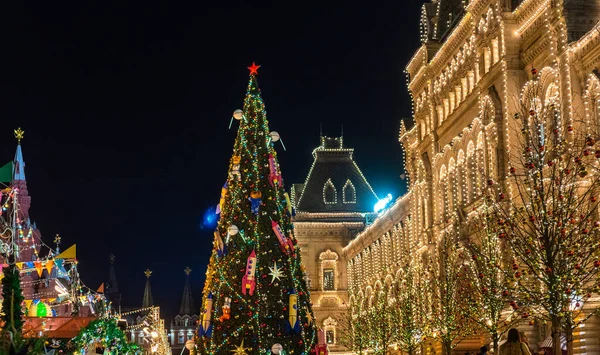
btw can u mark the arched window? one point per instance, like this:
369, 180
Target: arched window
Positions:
329, 192
472, 171
592, 104
442, 188
480, 163
349, 192
452, 184
328, 265
329, 326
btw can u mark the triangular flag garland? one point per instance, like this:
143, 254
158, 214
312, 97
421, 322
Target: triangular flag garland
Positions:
20, 265
101, 288
39, 268
70, 253
49, 265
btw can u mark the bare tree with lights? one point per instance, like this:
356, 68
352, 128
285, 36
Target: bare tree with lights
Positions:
355, 328
488, 302
410, 311
546, 212
446, 290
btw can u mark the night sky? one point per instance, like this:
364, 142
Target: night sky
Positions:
126, 110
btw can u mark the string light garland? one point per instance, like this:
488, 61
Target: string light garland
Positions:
260, 307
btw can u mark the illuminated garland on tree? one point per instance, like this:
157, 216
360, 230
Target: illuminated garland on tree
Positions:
105, 333
255, 297
488, 300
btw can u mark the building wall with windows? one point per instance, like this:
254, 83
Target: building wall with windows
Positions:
469, 77
331, 207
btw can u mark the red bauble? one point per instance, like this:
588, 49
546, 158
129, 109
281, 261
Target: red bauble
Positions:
533, 71
570, 128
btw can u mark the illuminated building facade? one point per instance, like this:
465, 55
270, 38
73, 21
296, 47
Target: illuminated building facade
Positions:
467, 79
331, 206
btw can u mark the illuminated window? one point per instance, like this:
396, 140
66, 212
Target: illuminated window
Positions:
349, 195
329, 193
328, 280
330, 337
181, 338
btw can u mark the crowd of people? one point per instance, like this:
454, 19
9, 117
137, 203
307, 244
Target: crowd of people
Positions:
516, 344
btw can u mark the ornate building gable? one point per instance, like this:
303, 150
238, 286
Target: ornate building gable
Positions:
334, 183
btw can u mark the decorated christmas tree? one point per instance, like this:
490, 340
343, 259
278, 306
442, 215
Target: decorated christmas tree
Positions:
255, 299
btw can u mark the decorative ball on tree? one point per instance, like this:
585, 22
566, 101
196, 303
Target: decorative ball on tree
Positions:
255, 294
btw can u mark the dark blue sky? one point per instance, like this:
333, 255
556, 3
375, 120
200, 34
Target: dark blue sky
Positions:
126, 108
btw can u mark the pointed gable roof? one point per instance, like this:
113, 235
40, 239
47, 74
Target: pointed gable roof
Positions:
334, 182
187, 301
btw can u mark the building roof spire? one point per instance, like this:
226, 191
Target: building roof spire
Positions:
148, 301
111, 285
187, 301
19, 164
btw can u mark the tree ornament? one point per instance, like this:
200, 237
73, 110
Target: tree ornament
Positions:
222, 199
226, 310
221, 247
205, 328
274, 176
255, 201
286, 244
274, 136
293, 324
235, 168
232, 230
238, 114
533, 71
248, 280
276, 349
590, 141
275, 272
240, 350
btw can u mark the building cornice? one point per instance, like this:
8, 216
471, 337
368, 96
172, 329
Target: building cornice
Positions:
398, 211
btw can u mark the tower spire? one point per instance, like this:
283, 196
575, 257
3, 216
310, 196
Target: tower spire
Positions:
112, 288
187, 301
148, 301
19, 164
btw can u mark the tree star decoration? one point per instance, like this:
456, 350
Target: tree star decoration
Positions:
254, 68
309, 318
275, 272
240, 350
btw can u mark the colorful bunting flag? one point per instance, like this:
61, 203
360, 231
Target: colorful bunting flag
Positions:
20, 265
49, 265
70, 253
39, 268
101, 288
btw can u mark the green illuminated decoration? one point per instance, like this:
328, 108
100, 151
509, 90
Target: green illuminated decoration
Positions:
42, 309
105, 333
243, 302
